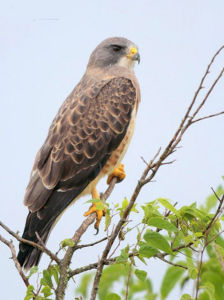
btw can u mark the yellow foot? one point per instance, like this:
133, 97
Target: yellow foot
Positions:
97, 207
118, 172
99, 213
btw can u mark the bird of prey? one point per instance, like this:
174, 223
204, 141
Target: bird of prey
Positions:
86, 141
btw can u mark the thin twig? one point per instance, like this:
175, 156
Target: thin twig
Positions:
216, 194
47, 251
112, 261
17, 265
33, 244
94, 265
128, 281
207, 117
91, 244
199, 270
161, 257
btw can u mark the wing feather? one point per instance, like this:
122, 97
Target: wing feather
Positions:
89, 126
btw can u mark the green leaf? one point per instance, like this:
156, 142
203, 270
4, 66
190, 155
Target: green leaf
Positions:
156, 240
54, 271
213, 277
198, 234
188, 239
193, 272
46, 280
123, 256
67, 242
134, 209
100, 206
113, 296
107, 219
220, 252
46, 291
33, 270
211, 251
84, 285
95, 200
220, 241
125, 203
184, 281
178, 239
186, 297
168, 205
111, 275
191, 212
29, 292
171, 277
140, 274
147, 251
162, 224
150, 209
209, 288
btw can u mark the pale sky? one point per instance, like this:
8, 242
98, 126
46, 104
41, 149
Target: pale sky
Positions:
45, 46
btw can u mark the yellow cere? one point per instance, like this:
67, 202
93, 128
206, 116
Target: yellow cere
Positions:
133, 50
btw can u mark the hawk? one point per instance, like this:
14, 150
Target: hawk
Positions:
86, 141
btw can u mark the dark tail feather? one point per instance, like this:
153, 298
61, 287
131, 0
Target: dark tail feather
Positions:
42, 222
29, 256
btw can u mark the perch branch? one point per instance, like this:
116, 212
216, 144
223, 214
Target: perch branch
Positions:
66, 261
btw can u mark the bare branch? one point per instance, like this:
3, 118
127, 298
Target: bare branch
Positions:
47, 251
33, 244
17, 265
214, 218
112, 261
128, 281
161, 257
208, 117
201, 84
91, 244
199, 270
216, 194
208, 93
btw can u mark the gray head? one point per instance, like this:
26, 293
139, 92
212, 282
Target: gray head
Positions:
114, 51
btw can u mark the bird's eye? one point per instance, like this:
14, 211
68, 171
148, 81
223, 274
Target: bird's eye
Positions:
116, 48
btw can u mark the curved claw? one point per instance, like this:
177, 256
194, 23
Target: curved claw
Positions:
118, 172
99, 214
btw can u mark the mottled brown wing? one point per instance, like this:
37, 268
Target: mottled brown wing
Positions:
89, 126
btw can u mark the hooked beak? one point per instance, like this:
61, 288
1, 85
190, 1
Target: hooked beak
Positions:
134, 54
136, 57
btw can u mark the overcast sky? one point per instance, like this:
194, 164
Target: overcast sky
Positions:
44, 49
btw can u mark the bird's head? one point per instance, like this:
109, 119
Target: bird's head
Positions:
116, 51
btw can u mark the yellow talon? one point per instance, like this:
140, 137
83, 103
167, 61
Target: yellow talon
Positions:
93, 208
118, 172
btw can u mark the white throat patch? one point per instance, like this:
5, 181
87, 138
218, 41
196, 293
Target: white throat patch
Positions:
126, 62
